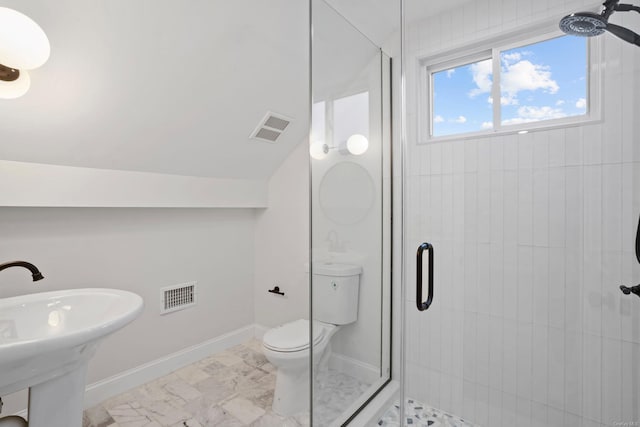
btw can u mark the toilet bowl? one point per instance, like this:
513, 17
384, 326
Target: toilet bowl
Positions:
287, 347
13, 421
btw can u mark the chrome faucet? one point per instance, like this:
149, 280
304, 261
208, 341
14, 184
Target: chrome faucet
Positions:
32, 268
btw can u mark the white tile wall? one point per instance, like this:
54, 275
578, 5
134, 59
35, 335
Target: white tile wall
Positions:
533, 235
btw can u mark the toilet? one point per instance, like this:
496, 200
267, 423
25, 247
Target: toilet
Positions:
335, 303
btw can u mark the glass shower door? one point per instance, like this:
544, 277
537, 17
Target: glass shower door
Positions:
531, 233
350, 218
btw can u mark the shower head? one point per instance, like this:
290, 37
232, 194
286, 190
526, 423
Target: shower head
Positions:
588, 24
583, 24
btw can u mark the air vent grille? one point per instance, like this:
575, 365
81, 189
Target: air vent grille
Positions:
271, 127
178, 297
268, 134
276, 123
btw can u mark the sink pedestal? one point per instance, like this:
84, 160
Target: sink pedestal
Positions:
58, 402
47, 341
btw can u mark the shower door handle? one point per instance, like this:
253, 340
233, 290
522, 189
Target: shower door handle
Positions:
422, 306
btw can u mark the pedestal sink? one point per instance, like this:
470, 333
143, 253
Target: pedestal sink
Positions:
46, 341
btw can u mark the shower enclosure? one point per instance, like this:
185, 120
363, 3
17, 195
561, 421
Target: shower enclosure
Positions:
519, 217
531, 218
350, 212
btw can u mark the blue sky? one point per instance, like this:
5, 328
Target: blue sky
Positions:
542, 81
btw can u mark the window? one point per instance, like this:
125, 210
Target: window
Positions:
540, 82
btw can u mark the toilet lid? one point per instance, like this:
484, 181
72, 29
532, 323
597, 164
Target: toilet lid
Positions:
292, 336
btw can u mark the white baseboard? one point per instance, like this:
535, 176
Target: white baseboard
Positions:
112, 386
362, 371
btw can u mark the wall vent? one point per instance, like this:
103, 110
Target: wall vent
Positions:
271, 127
177, 297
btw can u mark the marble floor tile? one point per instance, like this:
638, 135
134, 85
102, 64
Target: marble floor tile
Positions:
132, 415
220, 417
273, 420
183, 390
244, 410
226, 358
214, 390
192, 374
97, 417
232, 388
165, 413
189, 423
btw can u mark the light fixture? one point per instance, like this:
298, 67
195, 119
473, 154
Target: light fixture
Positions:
356, 144
318, 150
23, 46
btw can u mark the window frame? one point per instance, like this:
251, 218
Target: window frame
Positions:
491, 49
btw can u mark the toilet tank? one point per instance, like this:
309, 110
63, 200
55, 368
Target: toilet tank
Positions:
335, 292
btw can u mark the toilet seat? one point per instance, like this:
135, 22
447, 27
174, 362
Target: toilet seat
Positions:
293, 336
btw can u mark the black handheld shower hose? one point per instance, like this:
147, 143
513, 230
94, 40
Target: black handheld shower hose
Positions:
635, 289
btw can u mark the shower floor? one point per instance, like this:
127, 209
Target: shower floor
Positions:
419, 414
334, 392
231, 388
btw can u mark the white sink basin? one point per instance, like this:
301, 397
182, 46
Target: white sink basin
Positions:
49, 335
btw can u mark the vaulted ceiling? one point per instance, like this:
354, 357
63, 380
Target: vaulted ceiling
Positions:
170, 86
162, 86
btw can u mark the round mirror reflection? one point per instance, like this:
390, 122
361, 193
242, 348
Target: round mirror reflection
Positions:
347, 193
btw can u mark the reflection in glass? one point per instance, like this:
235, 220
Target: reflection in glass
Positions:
350, 215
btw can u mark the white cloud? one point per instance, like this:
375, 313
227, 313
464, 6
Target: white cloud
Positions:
516, 75
529, 114
524, 75
582, 103
460, 120
559, 102
504, 101
451, 72
438, 119
487, 125
511, 57
482, 74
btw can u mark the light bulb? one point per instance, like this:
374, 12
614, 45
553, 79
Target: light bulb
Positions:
318, 150
16, 88
357, 144
23, 44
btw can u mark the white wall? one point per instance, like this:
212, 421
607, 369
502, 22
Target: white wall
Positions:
282, 244
40, 185
533, 236
140, 250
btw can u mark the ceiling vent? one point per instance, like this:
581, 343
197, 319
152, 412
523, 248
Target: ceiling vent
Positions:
271, 127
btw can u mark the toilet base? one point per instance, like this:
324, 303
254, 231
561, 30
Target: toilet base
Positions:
291, 395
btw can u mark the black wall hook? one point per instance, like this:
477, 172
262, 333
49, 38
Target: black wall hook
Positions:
276, 290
